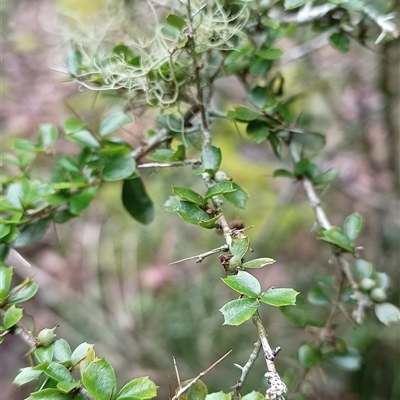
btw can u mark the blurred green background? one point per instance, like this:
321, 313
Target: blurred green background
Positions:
107, 280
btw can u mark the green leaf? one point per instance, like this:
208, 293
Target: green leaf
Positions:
24, 145
261, 98
219, 188
196, 392
298, 314
67, 387
309, 355
80, 352
26, 375
32, 232
387, 313
168, 121
349, 361
238, 198
47, 136
242, 114
139, 388
5, 282
325, 177
238, 311
11, 316
260, 67
317, 297
175, 21
80, 201
49, 394
362, 269
302, 167
275, 144
113, 123
352, 225
161, 155
58, 372
253, 396
188, 194
19, 193
4, 230
4, 250
113, 148
337, 237
136, 201
73, 125
191, 213
62, 352
279, 297
44, 354
290, 4
23, 292
312, 141
340, 41
211, 159
244, 283
239, 247
74, 62
119, 169
269, 54
258, 263
257, 131
284, 173
220, 396
85, 138
99, 380
210, 223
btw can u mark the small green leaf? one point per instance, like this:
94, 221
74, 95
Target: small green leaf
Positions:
176, 21
260, 67
139, 388
238, 198
349, 361
80, 201
24, 145
85, 138
309, 355
220, 396
219, 188
340, 41
269, 54
211, 159
275, 144
362, 269
261, 98
80, 352
352, 225
297, 315
136, 201
242, 114
74, 62
325, 177
209, 223
5, 282
290, 4
4, 230
26, 375
119, 169
47, 136
23, 292
173, 124
67, 387
19, 193
99, 380
244, 283
62, 352
317, 297
257, 131
188, 194
253, 396
284, 173
302, 167
11, 316
44, 354
238, 311
161, 155
58, 372
337, 237
387, 313
49, 394
32, 232
279, 297
239, 247
113, 123
312, 141
198, 391
191, 213
73, 125
258, 263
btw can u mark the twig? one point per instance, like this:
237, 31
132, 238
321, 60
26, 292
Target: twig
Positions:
202, 256
383, 22
245, 369
168, 164
307, 14
198, 377
177, 372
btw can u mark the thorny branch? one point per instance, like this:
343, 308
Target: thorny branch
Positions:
200, 257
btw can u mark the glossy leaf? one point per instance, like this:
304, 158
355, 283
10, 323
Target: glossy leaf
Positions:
258, 263
198, 391
261, 98
275, 145
279, 297
32, 232
4, 230
139, 388
387, 313
325, 178
80, 201
238, 311
44, 354
242, 114
49, 394
58, 372
175, 21
337, 237
309, 355
269, 54
62, 352
210, 223
73, 125
113, 123
244, 283
188, 194
11, 316
26, 375
136, 201
238, 198
283, 173
211, 159
99, 380
257, 131
352, 225
23, 292
47, 136
19, 193
85, 138
80, 352
219, 188
340, 41
24, 145
67, 387
317, 297
219, 396
191, 213
5, 282
239, 247
362, 269
119, 169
